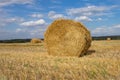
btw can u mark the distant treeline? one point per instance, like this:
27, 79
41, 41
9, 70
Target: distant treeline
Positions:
105, 37
15, 41
28, 40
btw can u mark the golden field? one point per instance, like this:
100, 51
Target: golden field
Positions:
25, 61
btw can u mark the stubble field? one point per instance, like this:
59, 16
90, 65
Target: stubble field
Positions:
25, 61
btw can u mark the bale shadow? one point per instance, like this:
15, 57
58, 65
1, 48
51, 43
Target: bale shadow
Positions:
89, 52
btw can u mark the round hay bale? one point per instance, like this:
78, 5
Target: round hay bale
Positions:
36, 40
67, 38
108, 39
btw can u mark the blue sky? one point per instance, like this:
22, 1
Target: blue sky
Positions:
30, 18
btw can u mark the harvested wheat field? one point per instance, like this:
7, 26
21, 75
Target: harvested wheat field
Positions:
25, 61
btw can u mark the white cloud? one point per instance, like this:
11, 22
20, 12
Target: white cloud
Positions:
8, 34
55, 7
89, 10
83, 18
34, 23
31, 32
99, 19
102, 31
90, 13
54, 15
5, 21
15, 19
56, 1
35, 15
117, 26
9, 2
19, 30
37, 32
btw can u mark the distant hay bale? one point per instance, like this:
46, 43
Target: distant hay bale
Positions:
36, 40
67, 38
108, 39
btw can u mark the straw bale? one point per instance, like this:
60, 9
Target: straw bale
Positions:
67, 38
36, 40
108, 39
